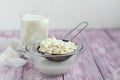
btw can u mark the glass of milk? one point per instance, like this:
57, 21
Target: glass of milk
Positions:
34, 26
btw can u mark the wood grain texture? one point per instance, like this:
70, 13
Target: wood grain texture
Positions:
10, 34
100, 59
105, 52
28, 72
9, 73
114, 34
85, 67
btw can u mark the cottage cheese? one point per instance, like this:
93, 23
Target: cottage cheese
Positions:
52, 45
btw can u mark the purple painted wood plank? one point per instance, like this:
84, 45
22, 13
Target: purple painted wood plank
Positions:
105, 52
29, 73
114, 34
9, 73
10, 34
85, 68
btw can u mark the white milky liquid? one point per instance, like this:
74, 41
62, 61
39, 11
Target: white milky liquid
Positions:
34, 28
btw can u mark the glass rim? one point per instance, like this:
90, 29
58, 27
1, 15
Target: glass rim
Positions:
34, 12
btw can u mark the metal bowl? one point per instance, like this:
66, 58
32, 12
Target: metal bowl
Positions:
33, 49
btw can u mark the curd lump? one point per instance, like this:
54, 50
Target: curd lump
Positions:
54, 46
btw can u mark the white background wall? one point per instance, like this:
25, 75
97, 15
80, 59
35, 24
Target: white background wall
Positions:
63, 13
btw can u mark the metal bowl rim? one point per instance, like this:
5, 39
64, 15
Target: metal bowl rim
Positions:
49, 55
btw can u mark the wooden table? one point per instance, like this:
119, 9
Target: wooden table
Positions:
100, 59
